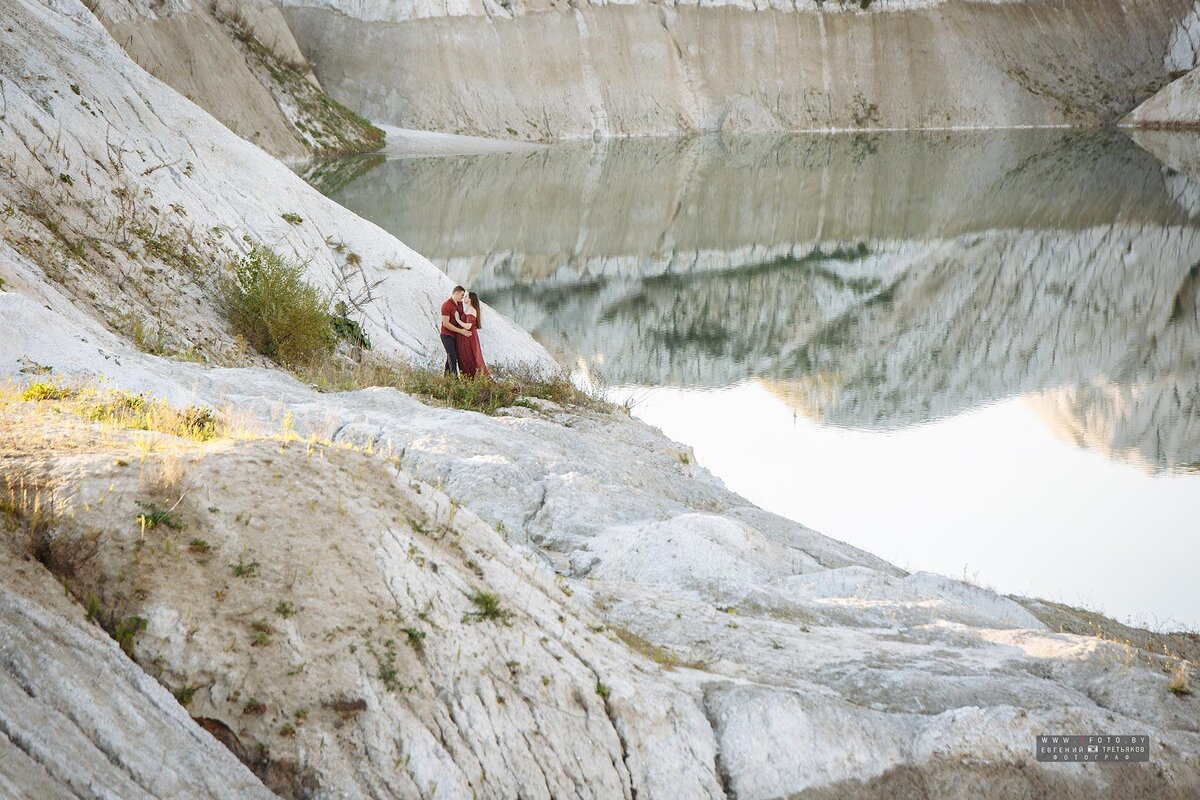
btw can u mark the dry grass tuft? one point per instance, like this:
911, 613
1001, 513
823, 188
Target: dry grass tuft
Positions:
507, 387
168, 478
41, 525
128, 411
659, 655
1178, 684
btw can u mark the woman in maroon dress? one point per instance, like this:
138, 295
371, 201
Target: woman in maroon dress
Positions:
470, 354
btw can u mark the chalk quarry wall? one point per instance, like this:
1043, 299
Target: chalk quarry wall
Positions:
237, 60
556, 70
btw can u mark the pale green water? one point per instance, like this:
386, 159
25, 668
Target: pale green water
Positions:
965, 352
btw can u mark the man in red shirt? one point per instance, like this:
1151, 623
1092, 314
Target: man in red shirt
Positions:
450, 327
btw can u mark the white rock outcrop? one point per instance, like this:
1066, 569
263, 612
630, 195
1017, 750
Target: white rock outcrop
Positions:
325, 632
1176, 105
79, 719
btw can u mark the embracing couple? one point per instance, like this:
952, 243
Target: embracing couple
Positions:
460, 334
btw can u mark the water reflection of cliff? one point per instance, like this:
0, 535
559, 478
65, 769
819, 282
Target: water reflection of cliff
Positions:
877, 281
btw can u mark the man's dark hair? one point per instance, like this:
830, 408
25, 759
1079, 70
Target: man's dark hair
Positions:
457, 289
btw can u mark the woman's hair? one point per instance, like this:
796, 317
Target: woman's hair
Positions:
478, 310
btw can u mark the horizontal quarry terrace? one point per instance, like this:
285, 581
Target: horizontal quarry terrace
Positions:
373, 10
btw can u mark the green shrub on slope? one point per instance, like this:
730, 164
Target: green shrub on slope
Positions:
281, 316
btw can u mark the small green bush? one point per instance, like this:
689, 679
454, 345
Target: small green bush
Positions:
262, 633
281, 316
416, 637
154, 517
388, 673
199, 423
347, 329
243, 569
125, 631
118, 405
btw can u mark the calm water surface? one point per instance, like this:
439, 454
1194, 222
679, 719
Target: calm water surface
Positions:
972, 353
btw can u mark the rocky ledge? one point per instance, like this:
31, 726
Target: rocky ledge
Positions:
362, 595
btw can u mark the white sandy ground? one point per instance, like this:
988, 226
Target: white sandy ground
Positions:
803, 663
408, 143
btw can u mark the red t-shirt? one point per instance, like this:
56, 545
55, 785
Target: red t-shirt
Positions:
448, 309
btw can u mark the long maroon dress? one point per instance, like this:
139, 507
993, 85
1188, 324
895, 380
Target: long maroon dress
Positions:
470, 354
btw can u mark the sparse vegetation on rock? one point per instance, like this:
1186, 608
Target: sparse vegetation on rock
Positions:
323, 124
487, 607
128, 411
125, 632
245, 569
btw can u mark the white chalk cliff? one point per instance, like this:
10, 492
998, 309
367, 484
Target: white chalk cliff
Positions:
546, 69
238, 60
308, 629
